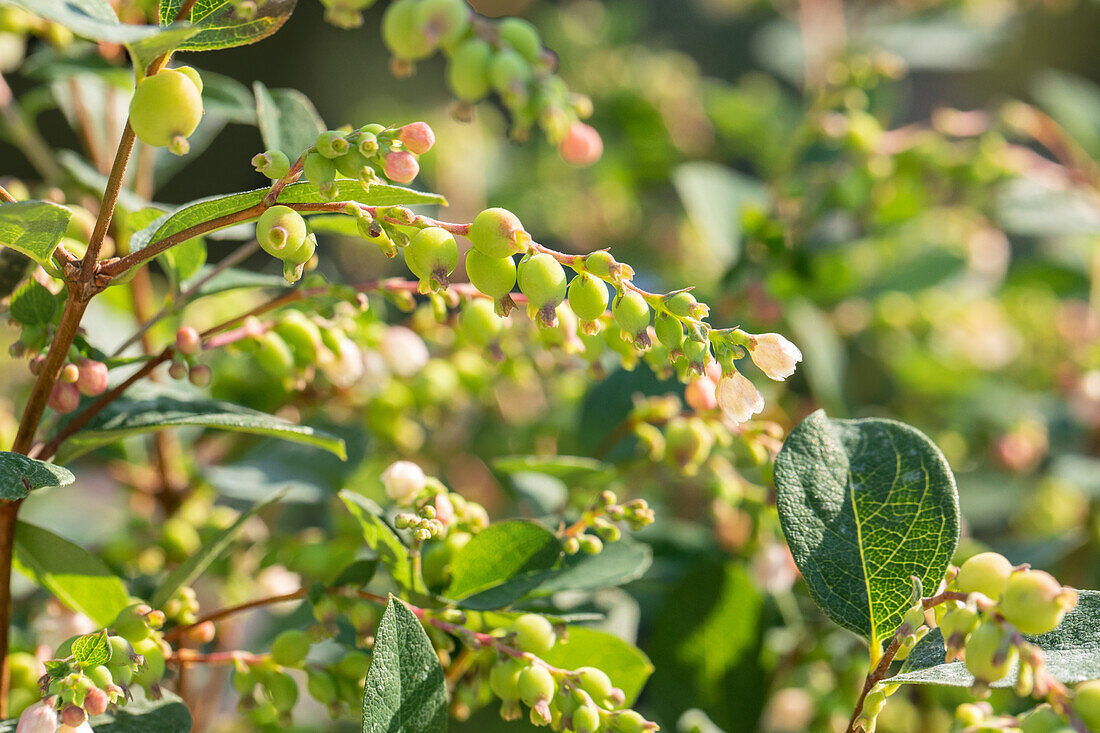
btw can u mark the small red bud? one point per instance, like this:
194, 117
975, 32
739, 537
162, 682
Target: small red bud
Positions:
401, 166
581, 146
188, 341
96, 701
64, 397
418, 137
93, 377
73, 716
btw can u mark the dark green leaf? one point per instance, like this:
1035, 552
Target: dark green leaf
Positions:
626, 665
203, 210
32, 304
865, 504
33, 228
79, 579
619, 563
95, 182
92, 650
406, 691
379, 537
500, 553
288, 120
125, 417
1072, 652
233, 279
141, 715
19, 475
193, 567
184, 260
220, 26
358, 574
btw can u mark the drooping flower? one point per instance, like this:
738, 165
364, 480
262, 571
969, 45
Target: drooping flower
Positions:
738, 397
403, 480
775, 355
38, 718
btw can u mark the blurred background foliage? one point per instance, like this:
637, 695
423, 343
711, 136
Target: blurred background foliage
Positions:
909, 190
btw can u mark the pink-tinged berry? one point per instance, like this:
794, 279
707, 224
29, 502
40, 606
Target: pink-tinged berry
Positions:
200, 375
93, 377
188, 341
699, 394
498, 232
418, 137
96, 702
582, 145
401, 166
64, 398
177, 370
73, 716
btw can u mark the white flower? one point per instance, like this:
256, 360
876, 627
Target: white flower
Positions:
738, 397
403, 351
775, 355
38, 718
403, 481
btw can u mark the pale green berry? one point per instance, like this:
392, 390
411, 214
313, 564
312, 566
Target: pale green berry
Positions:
274, 164
432, 255
401, 31
480, 323
986, 573
166, 109
100, 676
586, 719
497, 233
281, 690
443, 21
274, 355
670, 331
522, 36
587, 297
1034, 602
533, 633
682, 304
302, 336
494, 276
321, 686
1044, 720
504, 678
280, 230
131, 624
352, 163
591, 544
595, 682
509, 72
321, 172
331, 144
153, 671
988, 656
468, 72
629, 721
1086, 701
631, 312
542, 279
354, 665
536, 684
290, 648
688, 441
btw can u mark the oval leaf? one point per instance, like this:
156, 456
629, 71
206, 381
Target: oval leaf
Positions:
92, 650
383, 541
406, 691
220, 26
865, 504
500, 553
33, 228
288, 120
19, 475
125, 417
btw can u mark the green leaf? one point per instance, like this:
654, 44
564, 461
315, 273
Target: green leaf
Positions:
865, 504
358, 573
1074, 102
79, 579
619, 563
384, 541
96, 19
92, 650
186, 259
33, 228
569, 469
626, 665
141, 715
193, 567
1072, 652
125, 417
219, 25
406, 691
32, 304
499, 553
288, 120
713, 196
19, 475
203, 210
233, 279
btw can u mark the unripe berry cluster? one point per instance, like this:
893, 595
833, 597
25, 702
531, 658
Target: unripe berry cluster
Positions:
505, 58
601, 518
80, 374
438, 511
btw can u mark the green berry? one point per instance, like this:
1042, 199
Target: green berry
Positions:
281, 690
522, 36
401, 31
682, 304
100, 676
444, 21
586, 719
1044, 720
1086, 701
274, 164
331, 144
533, 633
595, 682
688, 441
1034, 602
591, 544
497, 233
130, 623
280, 230
321, 686
302, 336
542, 279
988, 657
601, 264
432, 255
120, 651
352, 163
504, 678
670, 331
509, 72
536, 684
958, 622
354, 665
468, 72
193, 74
274, 355
494, 276
153, 671
304, 252
480, 322
587, 297
321, 172
631, 312
986, 573
166, 109
290, 648
629, 721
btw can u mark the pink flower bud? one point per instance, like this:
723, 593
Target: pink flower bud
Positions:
775, 355
401, 167
188, 341
64, 397
444, 509
699, 394
38, 718
96, 702
403, 480
200, 375
418, 137
203, 633
714, 371
93, 377
581, 146
73, 716
738, 397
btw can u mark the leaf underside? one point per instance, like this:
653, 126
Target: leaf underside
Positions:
19, 475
